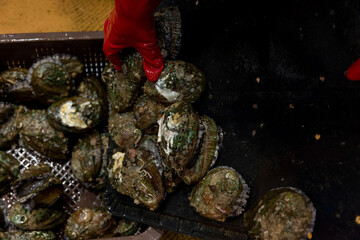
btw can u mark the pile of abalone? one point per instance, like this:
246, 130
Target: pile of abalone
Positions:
160, 141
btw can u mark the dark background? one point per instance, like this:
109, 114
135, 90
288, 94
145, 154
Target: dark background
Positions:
288, 45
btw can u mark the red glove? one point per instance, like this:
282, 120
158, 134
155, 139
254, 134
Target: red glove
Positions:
131, 24
353, 73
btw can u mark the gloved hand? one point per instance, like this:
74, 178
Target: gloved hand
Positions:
353, 73
131, 24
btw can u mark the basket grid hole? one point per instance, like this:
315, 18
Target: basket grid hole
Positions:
72, 188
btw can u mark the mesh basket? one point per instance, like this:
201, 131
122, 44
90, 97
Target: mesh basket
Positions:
72, 188
21, 50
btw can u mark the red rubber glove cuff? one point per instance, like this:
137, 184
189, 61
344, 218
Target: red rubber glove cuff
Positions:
131, 24
353, 73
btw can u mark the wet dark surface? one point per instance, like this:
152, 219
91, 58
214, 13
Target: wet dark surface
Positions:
299, 51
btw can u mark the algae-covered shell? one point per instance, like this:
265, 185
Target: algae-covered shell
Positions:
92, 88
50, 80
74, 114
133, 64
37, 186
40, 136
147, 111
33, 235
72, 64
36, 219
9, 130
207, 152
220, 194
89, 223
99, 181
168, 31
178, 81
86, 158
178, 134
9, 170
136, 174
16, 85
282, 213
123, 130
127, 228
122, 89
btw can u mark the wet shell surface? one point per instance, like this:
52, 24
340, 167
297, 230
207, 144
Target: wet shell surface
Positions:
220, 194
36, 219
87, 159
27, 235
37, 186
50, 80
206, 152
122, 89
178, 134
282, 213
16, 85
39, 135
127, 228
123, 130
147, 111
92, 88
89, 223
133, 64
178, 81
72, 64
74, 114
135, 174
